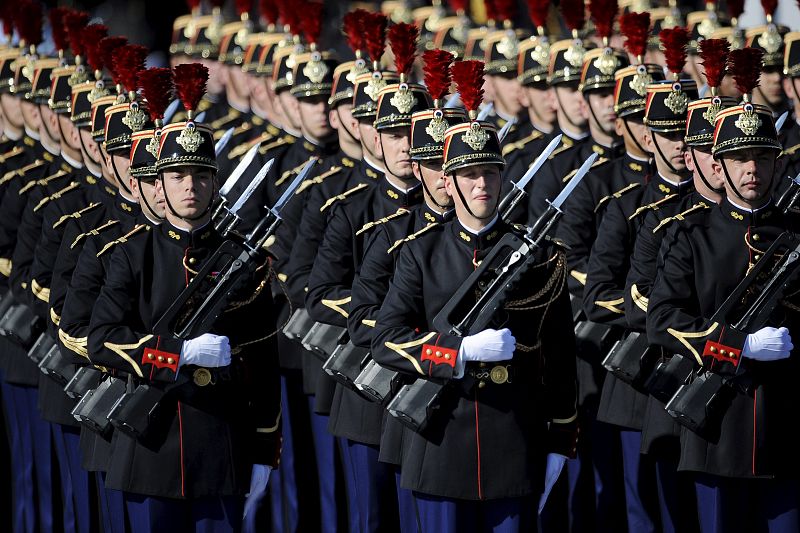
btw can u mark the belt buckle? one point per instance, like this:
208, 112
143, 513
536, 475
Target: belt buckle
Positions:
201, 377
499, 374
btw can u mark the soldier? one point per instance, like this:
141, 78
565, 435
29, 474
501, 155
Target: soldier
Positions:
769, 38
223, 412
791, 71
745, 476
476, 466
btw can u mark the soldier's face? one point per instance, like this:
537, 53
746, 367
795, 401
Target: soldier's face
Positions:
314, 116
394, 144
71, 134
118, 167
31, 115
430, 172
258, 92
12, 111
480, 187
541, 104
700, 160
600, 105
237, 80
569, 99
673, 148
148, 196
49, 121
188, 189
751, 173
289, 107
369, 139
506, 92
216, 76
89, 147
770, 88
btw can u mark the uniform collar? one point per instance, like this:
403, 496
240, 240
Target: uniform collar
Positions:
204, 237
484, 239
635, 166
71, 162
370, 170
667, 187
431, 216
609, 152
123, 205
747, 217
401, 198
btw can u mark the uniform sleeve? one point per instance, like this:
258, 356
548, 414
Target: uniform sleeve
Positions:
642, 273
305, 246
328, 298
117, 336
370, 287
603, 299
674, 318
577, 230
30, 229
401, 341
45, 256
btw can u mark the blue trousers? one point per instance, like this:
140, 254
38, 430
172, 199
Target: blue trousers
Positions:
442, 515
727, 505
283, 483
23, 504
405, 506
150, 514
640, 484
325, 452
351, 487
372, 488
112, 506
41, 435
77, 511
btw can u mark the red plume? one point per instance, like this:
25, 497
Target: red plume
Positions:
311, 21
714, 53
505, 9
459, 5
744, 65
193, 4
437, 72
190, 83
75, 22
91, 37
375, 31
7, 18
269, 10
58, 28
491, 9
243, 6
636, 29
128, 61
28, 19
468, 76
217, 3
574, 13
674, 41
107, 48
769, 6
537, 10
603, 13
403, 40
158, 88
289, 15
735, 8
353, 25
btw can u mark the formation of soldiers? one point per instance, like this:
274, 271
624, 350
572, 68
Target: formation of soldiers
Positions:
484, 276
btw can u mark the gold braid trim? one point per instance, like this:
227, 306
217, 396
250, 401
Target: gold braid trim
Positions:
291, 172
682, 336
517, 145
217, 124
17, 150
318, 179
369, 225
5, 266
123, 239
119, 349
342, 196
280, 142
611, 305
96, 231
11, 174
54, 317
56, 195
654, 206
42, 182
43, 293
334, 304
411, 237
617, 194
272, 429
600, 161
243, 148
681, 216
76, 214
639, 299
79, 345
579, 276
401, 349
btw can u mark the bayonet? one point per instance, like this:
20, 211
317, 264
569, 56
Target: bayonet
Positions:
223, 142
487, 109
501, 135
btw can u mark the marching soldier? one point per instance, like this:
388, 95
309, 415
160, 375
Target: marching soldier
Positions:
220, 405
745, 475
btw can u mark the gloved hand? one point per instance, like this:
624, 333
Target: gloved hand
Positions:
555, 463
768, 344
207, 350
258, 488
487, 346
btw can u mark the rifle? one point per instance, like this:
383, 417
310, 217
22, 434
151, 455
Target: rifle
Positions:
632, 359
375, 382
197, 307
499, 273
700, 403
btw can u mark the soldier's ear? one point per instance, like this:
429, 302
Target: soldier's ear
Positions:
649, 142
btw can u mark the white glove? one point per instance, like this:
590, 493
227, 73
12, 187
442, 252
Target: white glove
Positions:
768, 344
555, 463
258, 488
207, 350
489, 345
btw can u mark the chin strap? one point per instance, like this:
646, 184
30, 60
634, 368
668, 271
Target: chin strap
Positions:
565, 115
702, 176
663, 158
466, 205
730, 181
120, 181
346, 129
428, 193
633, 138
144, 201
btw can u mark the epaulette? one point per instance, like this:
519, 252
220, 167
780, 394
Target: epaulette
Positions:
700, 206
654, 206
232, 115
342, 196
56, 195
347, 162
516, 145
42, 182
11, 174
286, 139
28, 141
14, 152
561, 149
600, 161
136, 229
791, 150
411, 237
291, 172
317, 179
76, 214
617, 194
369, 225
244, 128
94, 232
242, 149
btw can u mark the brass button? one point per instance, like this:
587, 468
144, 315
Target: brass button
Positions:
713, 349
192, 260
428, 351
438, 353
723, 353
170, 360
151, 356
481, 384
160, 358
499, 374
482, 365
201, 377
756, 257
447, 356
756, 236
